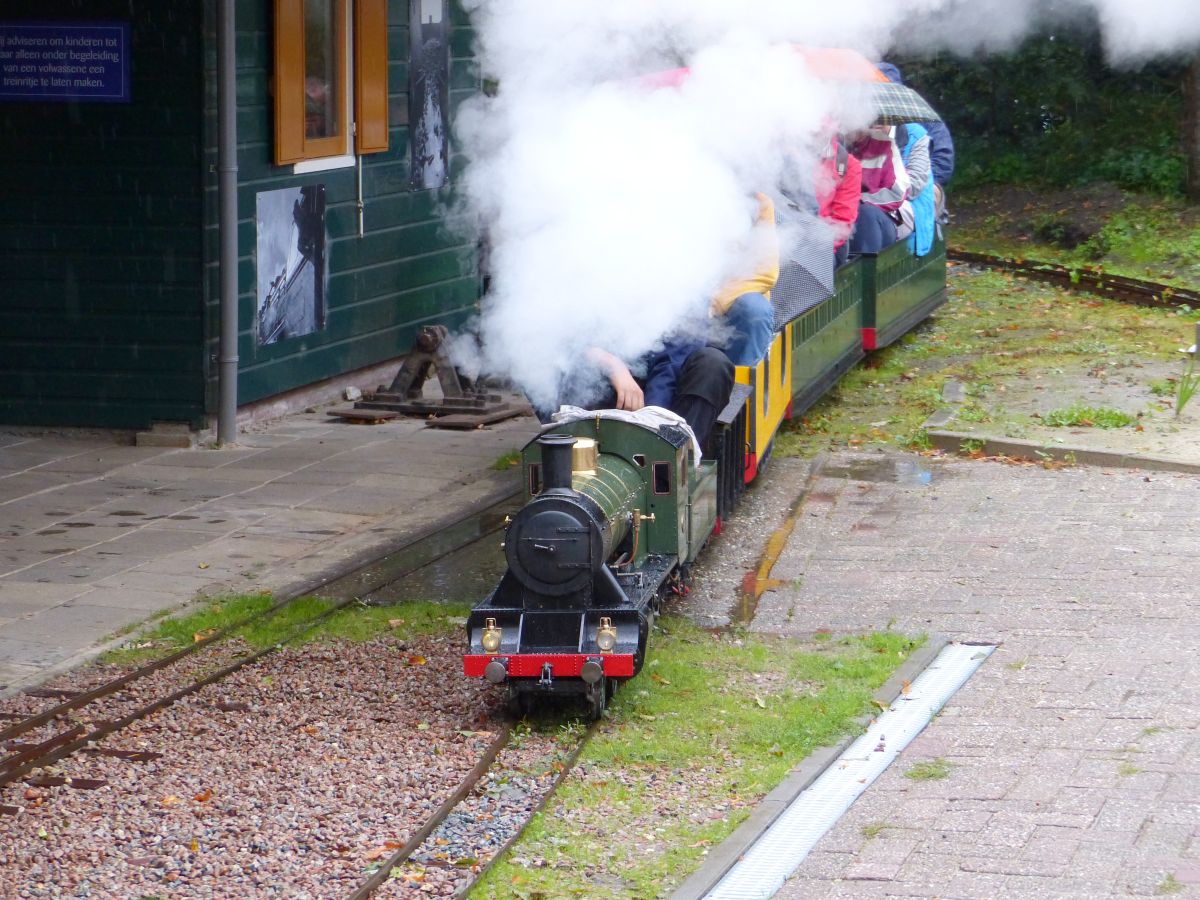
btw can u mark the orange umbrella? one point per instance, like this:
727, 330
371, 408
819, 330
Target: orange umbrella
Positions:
836, 64
828, 63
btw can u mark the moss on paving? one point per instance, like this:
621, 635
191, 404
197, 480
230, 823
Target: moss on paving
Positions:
711, 724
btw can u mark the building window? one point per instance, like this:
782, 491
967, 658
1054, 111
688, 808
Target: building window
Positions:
330, 61
323, 69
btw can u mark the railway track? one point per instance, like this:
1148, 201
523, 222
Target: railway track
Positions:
1086, 278
350, 587
69, 727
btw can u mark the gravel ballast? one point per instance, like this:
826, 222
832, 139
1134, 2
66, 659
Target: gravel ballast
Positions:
292, 778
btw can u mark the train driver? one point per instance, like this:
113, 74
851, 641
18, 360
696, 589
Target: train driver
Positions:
685, 376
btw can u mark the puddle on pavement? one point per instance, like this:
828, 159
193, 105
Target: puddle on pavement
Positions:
913, 471
894, 471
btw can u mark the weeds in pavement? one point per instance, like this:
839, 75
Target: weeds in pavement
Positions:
509, 460
1189, 381
1088, 417
1169, 885
933, 770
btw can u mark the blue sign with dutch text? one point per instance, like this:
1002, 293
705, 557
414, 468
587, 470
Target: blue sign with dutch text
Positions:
65, 61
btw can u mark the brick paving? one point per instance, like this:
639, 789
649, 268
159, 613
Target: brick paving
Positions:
1074, 752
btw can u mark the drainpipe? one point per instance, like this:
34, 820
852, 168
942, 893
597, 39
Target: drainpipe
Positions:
227, 223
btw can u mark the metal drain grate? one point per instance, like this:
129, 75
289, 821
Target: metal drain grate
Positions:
762, 870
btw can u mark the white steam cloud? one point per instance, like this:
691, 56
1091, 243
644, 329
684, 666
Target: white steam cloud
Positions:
614, 210
1133, 30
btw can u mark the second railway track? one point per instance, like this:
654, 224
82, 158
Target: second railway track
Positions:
63, 765
1085, 278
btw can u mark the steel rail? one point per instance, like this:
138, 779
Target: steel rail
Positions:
439, 815
24, 762
406, 852
26, 759
1085, 278
567, 767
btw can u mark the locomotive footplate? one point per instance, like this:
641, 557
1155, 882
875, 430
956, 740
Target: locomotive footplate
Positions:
566, 638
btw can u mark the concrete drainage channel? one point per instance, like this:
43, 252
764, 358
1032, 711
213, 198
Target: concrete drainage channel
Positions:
757, 858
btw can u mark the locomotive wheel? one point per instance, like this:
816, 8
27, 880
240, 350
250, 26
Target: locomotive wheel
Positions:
518, 703
597, 696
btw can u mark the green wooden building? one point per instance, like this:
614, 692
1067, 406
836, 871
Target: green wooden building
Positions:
110, 311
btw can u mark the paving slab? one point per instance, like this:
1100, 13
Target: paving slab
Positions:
98, 534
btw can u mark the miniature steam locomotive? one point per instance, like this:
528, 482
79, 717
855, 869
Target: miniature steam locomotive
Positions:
615, 510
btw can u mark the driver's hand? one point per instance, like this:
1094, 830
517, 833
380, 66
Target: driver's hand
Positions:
629, 392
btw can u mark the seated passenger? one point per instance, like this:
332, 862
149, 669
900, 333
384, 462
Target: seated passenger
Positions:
885, 184
941, 149
839, 192
686, 375
742, 303
917, 213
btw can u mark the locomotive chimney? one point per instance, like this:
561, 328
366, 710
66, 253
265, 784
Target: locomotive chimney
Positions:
556, 460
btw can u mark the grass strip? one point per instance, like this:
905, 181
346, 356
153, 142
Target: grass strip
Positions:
711, 725
355, 623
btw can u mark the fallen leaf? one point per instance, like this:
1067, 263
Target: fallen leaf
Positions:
395, 623
378, 852
202, 566
417, 660
195, 846
199, 636
906, 688
654, 676
882, 706
169, 800
760, 702
204, 796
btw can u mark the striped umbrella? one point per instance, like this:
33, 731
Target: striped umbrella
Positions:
805, 260
898, 104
